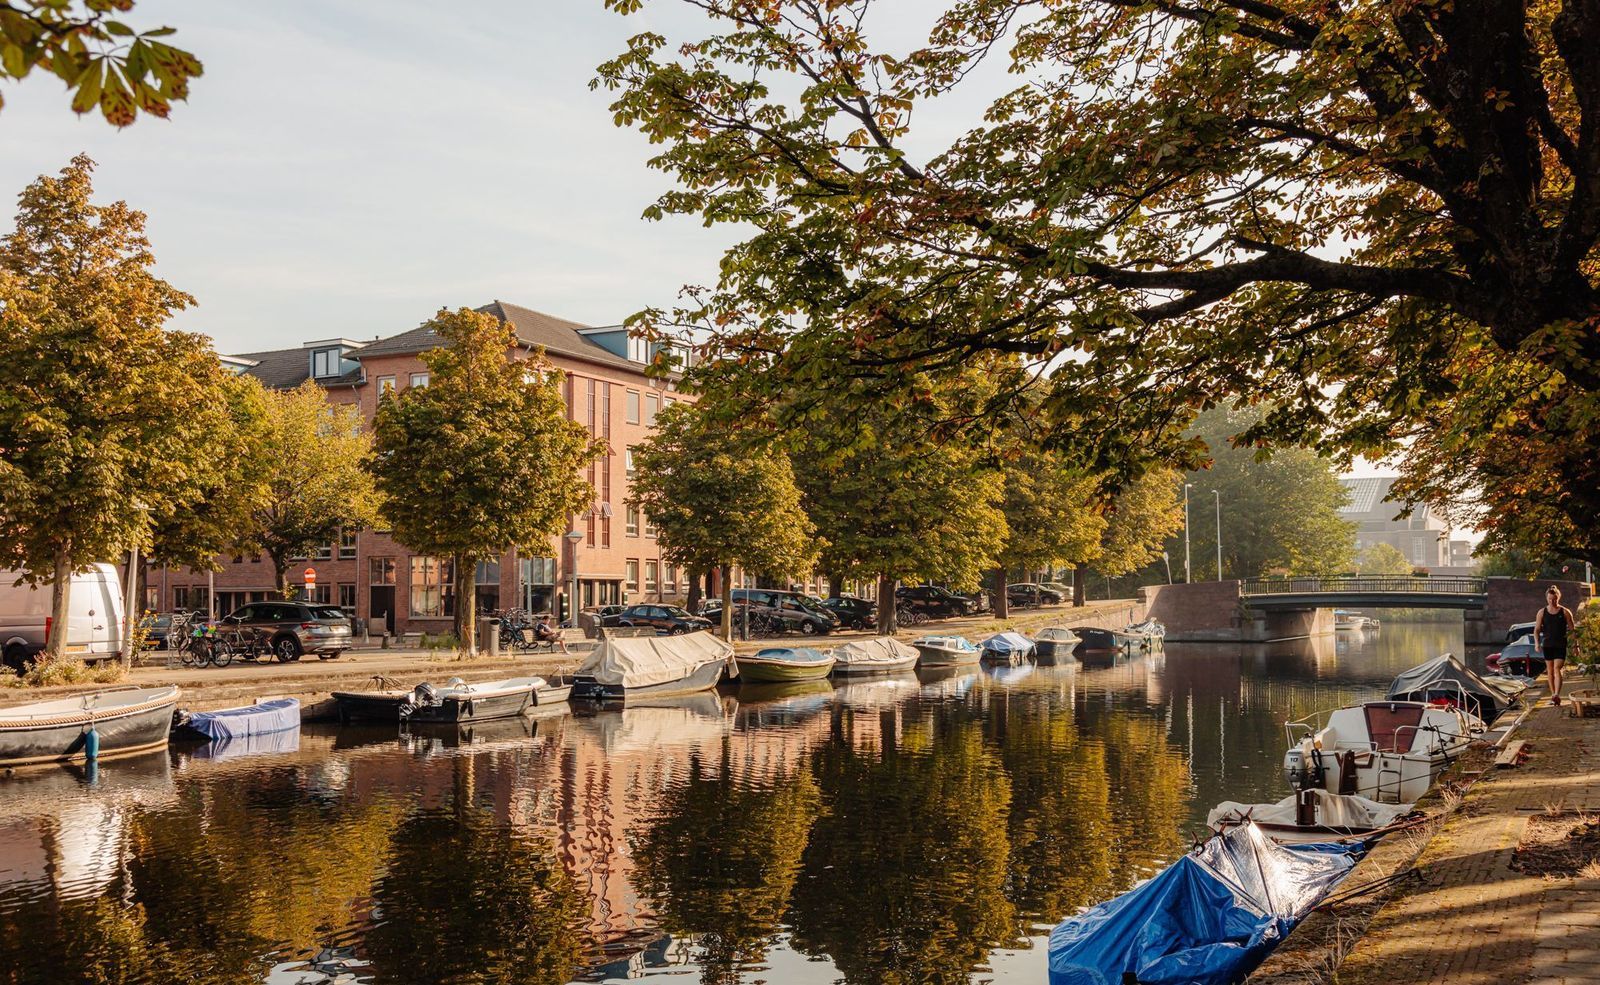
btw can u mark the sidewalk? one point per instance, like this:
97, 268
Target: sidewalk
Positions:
1508, 890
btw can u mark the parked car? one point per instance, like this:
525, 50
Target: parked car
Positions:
94, 618
932, 601
292, 628
857, 613
1024, 594
979, 600
155, 627
1065, 591
669, 619
799, 613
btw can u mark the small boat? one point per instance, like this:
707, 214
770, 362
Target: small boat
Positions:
1094, 638
945, 651
1055, 644
1209, 918
91, 726
1519, 659
1309, 817
1444, 680
1345, 621
655, 667
783, 664
1150, 633
1387, 751
262, 718
1006, 647
878, 655
453, 703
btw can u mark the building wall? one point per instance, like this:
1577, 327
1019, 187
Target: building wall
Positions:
612, 563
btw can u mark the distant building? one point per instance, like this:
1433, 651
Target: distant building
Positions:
1423, 536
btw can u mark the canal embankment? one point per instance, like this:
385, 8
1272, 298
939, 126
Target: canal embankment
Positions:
313, 681
1501, 885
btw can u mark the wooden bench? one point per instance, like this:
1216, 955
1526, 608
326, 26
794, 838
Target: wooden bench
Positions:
625, 632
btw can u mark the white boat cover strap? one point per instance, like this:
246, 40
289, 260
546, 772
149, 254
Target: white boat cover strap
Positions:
876, 650
646, 661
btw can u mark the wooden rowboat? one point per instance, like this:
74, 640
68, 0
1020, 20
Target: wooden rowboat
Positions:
98, 725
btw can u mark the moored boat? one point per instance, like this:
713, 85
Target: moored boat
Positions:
262, 718
1519, 659
1310, 816
661, 666
1094, 638
1149, 634
783, 664
1445, 680
1006, 647
945, 651
1387, 751
454, 702
87, 726
1055, 643
878, 655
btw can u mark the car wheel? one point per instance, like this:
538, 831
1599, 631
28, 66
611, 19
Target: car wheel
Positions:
16, 657
286, 648
809, 628
675, 631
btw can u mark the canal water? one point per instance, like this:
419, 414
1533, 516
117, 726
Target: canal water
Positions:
923, 828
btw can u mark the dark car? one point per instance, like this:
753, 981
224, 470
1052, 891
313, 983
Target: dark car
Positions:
669, 619
1026, 594
932, 601
978, 600
857, 613
292, 628
798, 613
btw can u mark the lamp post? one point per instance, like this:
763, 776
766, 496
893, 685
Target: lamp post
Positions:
1218, 494
574, 537
1186, 571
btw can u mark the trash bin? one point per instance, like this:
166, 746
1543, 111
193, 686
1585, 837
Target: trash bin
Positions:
491, 636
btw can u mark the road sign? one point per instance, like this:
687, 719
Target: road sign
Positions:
311, 577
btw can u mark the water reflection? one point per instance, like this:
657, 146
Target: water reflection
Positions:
923, 828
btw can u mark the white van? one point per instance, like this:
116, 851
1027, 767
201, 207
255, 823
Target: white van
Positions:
94, 624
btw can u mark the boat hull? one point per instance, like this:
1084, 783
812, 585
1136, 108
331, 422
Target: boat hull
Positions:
1047, 652
934, 656
756, 671
388, 706
703, 678
138, 729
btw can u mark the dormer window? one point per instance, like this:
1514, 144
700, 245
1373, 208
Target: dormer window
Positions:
638, 349
324, 363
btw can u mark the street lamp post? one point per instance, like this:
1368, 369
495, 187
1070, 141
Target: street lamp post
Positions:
1218, 494
574, 537
1187, 578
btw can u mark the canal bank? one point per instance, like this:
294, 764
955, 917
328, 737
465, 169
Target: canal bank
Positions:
313, 681
1503, 887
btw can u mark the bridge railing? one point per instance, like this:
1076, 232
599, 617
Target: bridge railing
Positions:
1444, 585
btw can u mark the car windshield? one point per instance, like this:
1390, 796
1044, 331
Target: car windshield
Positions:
327, 612
810, 602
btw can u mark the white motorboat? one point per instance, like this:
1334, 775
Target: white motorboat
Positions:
1386, 751
1309, 817
878, 655
946, 651
1054, 644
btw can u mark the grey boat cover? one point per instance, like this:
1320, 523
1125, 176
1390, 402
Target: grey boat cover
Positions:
645, 661
875, 650
1444, 678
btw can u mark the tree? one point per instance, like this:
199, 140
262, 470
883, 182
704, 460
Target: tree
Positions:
718, 500
1140, 516
1050, 517
104, 60
1383, 559
311, 453
1280, 509
105, 415
483, 458
1381, 218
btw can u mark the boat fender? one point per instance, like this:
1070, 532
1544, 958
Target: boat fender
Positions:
470, 707
91, 744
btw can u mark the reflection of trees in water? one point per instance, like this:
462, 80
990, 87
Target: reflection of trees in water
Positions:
467, 899
99, 941
721, 858
904, 875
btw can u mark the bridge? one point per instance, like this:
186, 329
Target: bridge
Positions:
1263, 609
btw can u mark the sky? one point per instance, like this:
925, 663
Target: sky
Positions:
344, 168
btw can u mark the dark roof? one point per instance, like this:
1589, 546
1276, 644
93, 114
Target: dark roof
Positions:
285, 369
532, 327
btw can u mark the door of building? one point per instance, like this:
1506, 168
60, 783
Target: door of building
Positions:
380, 606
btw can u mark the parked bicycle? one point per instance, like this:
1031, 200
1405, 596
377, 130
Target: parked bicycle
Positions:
197, 645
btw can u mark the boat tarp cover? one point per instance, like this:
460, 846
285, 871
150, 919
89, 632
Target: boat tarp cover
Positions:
1057, 634
877, 650
1445, 675
1346, 812
237, 723
645, 661
1209, 918
1008, 642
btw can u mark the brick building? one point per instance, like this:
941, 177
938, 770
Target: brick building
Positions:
374, 578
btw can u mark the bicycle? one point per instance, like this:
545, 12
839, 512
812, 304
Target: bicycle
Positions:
200, 646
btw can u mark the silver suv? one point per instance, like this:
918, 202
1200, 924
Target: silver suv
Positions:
289, 629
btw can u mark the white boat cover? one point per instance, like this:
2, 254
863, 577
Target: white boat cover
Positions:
1335, 812
644, 661
875, 650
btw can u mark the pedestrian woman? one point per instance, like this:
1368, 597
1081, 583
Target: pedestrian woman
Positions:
1550, 630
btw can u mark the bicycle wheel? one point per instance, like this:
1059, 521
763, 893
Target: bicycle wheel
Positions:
222, 656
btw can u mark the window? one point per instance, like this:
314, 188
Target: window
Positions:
638, 349
319, 594
432, 588
651, 402
627, 465
385, 385
633, 521
633, 407
605, 410
324, 363
538, 570
419, 379
347, 599
488, 586
633, 574
649, 527
347, 543
380, 571
669, 580
324, 552
651, 571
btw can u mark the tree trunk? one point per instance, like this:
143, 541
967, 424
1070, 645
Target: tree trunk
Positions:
1002, 608
60, 606
1080, 582
466, 605
280, 574
887, 624
695, 592
727, 602
835, 584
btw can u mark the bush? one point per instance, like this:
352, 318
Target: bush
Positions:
1585, 653
44, 674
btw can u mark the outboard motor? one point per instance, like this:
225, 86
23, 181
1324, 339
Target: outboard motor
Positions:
424, 696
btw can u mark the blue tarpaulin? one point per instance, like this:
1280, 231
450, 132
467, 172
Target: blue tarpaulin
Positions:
1208, 919
1008, 643
237, 723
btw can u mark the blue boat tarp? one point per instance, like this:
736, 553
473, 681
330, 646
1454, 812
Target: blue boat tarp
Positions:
1208, 919
1008, 642
237, 723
